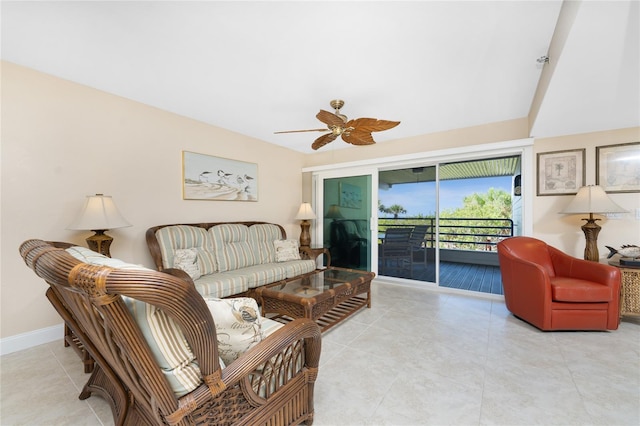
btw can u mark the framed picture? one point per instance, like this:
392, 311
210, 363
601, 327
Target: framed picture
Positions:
561, 172
618, 167
350, 196
205, 177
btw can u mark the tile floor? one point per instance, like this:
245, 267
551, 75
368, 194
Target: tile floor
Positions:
418, 356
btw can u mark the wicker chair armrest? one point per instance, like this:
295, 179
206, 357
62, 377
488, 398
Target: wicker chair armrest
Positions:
252, 360
178, 273
274, 344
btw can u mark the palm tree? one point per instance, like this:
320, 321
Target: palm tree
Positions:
395, 210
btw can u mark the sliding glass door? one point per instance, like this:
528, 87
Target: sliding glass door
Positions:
407, 206
347, 221
358, 203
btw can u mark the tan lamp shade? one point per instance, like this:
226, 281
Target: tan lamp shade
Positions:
99, 214
305, 213
592, 199
334, 212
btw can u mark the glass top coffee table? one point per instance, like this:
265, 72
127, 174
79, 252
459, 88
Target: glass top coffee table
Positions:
327, 296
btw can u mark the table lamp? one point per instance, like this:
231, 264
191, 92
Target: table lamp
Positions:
99, 214
305, 213
334, 213
592, 199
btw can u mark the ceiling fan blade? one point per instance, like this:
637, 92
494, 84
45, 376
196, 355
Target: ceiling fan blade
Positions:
323, 140
371, 124
329, 118
356, 137
298, 131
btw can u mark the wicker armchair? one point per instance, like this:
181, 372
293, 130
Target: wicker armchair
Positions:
272, 383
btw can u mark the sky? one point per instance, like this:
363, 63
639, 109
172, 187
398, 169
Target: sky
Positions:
420, 198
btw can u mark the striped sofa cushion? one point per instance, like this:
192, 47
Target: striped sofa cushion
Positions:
268, 273
172, 238
298, 267
168, 346
165, 339
222, 284
231, 246
261, 238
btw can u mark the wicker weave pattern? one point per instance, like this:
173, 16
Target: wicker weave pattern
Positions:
630, 294
335, 303
126, 373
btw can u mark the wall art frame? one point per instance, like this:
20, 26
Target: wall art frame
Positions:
350, 196
618, 167
560, 172
206, 177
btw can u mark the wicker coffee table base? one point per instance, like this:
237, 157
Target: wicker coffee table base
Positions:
327, 310
333, 317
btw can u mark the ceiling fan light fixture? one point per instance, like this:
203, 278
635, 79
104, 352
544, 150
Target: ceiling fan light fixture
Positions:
355, 132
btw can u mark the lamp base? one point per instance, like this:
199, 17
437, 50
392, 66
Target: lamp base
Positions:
591, 230
100, 242
305, 236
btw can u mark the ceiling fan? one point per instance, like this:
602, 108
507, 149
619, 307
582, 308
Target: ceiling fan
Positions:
355, 132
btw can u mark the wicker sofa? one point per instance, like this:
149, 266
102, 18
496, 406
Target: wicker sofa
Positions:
228, 258
156, 346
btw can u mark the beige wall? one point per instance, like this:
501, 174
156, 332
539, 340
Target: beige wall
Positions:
564, 231
62, 141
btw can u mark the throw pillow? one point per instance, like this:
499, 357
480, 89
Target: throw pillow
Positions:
238, 325
187, 260
286, 250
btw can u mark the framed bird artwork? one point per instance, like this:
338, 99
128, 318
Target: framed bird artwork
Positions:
205, 177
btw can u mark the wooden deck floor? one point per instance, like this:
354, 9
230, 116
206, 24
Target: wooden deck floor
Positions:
482, 278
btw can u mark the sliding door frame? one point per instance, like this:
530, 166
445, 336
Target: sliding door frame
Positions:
522, 147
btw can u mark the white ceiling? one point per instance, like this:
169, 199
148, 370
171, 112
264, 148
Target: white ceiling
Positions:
260, 67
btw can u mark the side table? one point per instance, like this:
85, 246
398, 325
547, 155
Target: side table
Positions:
629, 288
314, 252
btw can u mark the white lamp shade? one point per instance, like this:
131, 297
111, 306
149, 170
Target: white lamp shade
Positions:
592, 199
99, 213
305, 212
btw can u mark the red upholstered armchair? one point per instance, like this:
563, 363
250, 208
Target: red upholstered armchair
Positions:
555, 291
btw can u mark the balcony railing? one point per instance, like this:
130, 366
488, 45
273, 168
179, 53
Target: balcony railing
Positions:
457, 233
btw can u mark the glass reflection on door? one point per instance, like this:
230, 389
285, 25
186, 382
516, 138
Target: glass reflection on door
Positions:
347, 221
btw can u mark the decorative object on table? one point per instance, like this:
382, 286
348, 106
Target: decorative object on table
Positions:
630, 255
627, 250
99, 214
592, 199
205, 177
561, 172
355, 132
350, 196
305, 214
334, 213
618, 167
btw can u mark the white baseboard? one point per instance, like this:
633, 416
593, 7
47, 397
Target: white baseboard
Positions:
30, 339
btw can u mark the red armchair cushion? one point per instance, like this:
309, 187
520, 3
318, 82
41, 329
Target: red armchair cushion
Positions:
564, 289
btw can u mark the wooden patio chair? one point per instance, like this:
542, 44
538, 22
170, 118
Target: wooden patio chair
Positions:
395, 251
271, 383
